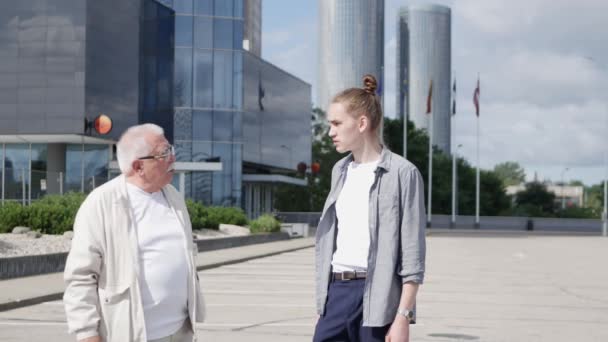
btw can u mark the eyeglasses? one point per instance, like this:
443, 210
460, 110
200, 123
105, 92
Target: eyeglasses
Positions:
167, 152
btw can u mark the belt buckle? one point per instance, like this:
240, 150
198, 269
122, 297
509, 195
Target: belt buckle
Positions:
343, 277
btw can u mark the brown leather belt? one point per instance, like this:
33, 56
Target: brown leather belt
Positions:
348, 275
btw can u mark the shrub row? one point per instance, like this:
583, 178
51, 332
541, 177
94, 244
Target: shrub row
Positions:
211, 217
55, 214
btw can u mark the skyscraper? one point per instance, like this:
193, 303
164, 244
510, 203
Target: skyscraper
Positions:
351, 44
424, 54
252, 35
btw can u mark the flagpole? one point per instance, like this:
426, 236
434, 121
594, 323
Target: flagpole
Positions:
453, 177
405, 133
428, 216
476, 100
453, 222
477, 181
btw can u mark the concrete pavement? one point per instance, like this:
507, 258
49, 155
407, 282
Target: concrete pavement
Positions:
478, 288
19, 292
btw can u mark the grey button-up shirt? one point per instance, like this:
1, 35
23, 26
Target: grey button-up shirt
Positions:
397, 248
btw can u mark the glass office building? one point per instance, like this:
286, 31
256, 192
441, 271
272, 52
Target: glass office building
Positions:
233, 108
424, 54
239, 124
351, 44
62, 64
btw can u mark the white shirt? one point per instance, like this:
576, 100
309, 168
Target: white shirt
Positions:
352, 210
163, 263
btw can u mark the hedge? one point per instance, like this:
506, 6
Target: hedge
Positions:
55, 214
211, 217
265, 224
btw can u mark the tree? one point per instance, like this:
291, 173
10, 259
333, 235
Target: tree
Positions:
510, 173
493, 199
312, 197
535, 200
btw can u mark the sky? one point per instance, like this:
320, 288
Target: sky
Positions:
543, 66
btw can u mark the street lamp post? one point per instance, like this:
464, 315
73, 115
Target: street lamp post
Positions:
454, 184
605, 178
562, 192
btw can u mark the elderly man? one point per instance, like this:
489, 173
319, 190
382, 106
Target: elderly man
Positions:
131, 273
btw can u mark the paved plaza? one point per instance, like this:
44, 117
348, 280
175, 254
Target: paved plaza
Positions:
501, 287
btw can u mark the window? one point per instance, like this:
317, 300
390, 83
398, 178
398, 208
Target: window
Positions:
222, 79
223, 8
238, 35
182, 6
203, 79
203, 32
222, 34
183, 30
182, 87
237, 95
203, 7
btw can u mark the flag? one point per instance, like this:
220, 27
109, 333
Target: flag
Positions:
261, 93
429, 98
454, 98
476, 98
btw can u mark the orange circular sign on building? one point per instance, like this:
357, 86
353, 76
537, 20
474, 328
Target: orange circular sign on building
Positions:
315, 167
103, 124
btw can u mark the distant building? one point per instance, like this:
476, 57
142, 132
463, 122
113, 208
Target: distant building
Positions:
423, 54
351, 44
571, 194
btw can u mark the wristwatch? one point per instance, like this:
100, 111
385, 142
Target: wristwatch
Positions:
408, 314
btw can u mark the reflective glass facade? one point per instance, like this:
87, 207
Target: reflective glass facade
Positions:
64, 61
276, 121
156, 66
177, 63
208, 95
42, 66
113, 33
424, 54
351, 44
28, 171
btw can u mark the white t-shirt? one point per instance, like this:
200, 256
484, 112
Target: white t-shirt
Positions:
163, 262
352, 211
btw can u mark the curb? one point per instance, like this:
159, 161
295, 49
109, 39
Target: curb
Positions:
33, 265
30, 301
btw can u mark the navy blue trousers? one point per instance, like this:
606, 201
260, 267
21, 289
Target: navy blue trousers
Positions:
344, 315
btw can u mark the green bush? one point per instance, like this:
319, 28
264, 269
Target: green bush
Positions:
265, 224
198, 214
226, 215
70, 200
54, 214
11, 215
211, 217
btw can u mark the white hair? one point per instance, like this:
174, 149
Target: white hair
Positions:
132, 145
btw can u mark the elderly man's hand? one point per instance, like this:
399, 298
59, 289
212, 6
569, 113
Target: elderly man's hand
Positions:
91, 339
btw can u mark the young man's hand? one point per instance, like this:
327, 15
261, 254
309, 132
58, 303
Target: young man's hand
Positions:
399, 330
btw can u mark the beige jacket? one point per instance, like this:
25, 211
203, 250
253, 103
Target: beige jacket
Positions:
102, 295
